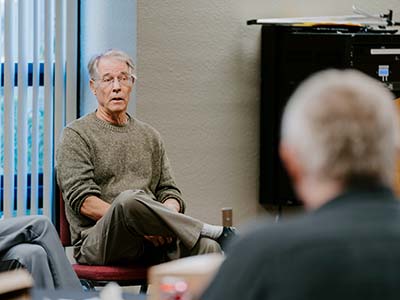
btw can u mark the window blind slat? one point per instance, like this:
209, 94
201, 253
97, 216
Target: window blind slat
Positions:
35, 112
48, 110
22, 110
71, 58
8, 109
1, 90
59, 85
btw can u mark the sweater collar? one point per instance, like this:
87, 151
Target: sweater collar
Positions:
113, 127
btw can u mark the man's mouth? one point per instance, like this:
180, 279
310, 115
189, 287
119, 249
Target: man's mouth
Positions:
117, 99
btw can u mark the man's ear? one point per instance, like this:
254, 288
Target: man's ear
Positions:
92, 86
291, 162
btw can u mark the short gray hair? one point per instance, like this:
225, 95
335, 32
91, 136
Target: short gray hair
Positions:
344, 126
114, 53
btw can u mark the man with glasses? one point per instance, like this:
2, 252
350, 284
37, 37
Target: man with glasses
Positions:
122, 202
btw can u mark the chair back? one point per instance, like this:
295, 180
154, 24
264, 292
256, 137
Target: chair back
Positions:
64, 232
97, 275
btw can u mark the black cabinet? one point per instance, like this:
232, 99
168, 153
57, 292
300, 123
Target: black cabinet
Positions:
289, 54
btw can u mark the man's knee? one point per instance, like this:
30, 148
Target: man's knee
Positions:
26, 254
37, 252
127, 202
40, 224
36, 220
206, 245
43, 220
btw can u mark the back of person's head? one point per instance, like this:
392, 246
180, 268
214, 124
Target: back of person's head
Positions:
343, 126
112, 53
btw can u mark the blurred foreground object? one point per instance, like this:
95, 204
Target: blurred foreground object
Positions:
397, 177
15, 285
184, 278
111, 291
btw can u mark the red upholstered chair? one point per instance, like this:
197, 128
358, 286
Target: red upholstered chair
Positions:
90, 275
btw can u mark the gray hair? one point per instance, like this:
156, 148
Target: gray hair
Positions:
344, 126
114, 53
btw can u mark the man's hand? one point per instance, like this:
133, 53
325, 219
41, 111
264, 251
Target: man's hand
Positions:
158, 240
172, 204
94, 207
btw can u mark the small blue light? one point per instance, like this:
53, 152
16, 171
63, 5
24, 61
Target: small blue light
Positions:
383, 71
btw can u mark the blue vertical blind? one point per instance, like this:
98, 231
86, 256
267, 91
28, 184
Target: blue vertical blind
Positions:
38, 56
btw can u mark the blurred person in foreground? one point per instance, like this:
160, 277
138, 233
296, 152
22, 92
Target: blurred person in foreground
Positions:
339, 142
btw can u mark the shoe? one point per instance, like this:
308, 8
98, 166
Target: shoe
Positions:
227, 234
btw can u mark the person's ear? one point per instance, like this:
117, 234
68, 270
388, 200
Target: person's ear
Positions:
92, 86
291, 162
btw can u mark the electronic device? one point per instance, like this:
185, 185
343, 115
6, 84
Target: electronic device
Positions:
289, 54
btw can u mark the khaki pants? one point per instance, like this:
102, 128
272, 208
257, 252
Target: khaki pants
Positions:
118, 236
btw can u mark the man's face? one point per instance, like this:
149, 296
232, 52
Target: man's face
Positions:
111, 88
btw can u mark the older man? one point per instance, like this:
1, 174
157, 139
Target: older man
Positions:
340, 136
121, 200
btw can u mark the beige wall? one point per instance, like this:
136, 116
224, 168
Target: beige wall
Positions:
198, 68
99, 32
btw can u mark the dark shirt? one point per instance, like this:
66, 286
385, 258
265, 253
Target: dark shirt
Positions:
347, 249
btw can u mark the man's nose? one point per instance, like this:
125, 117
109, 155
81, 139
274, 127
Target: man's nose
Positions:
116, 85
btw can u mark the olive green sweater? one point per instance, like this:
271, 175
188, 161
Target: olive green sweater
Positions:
97, 158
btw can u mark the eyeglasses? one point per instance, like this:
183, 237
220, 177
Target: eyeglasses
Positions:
123, 79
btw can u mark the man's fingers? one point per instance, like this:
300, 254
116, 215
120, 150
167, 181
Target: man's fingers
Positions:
152, 239
158, 240
148, 237
161, 240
